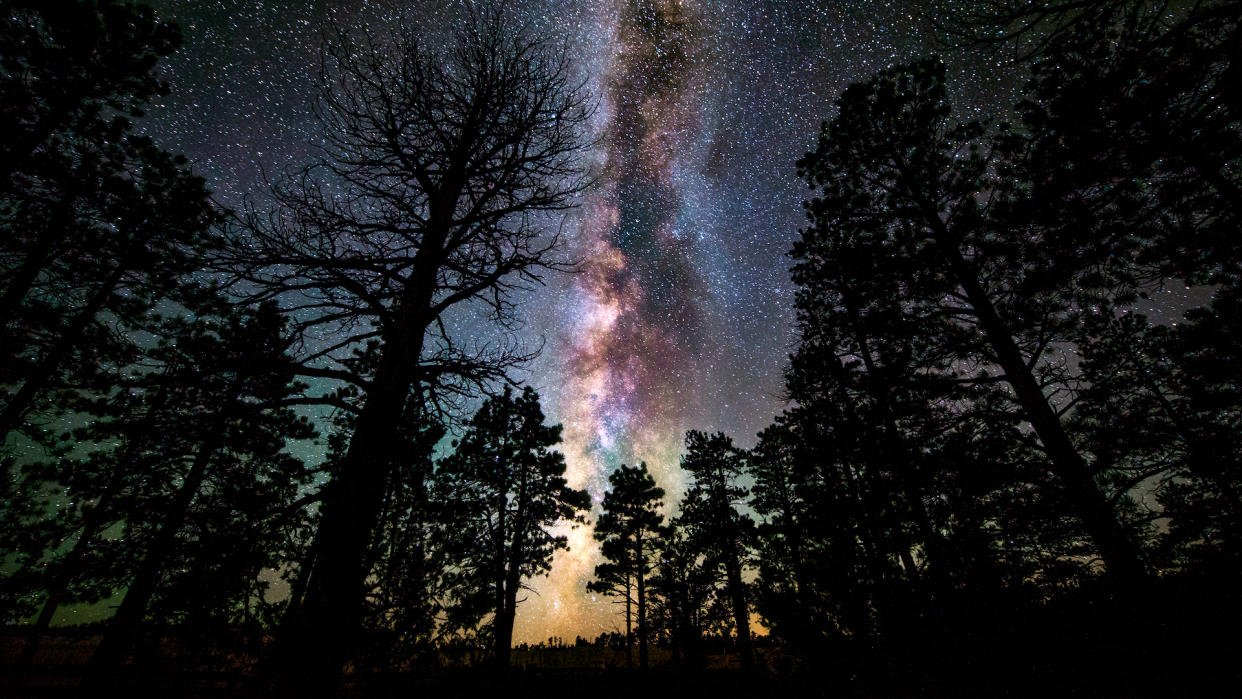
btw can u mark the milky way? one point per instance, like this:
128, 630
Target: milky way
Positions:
678, 320
639, 328
681, 316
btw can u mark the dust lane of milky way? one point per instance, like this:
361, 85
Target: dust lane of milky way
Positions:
637, 326
681, 317
676, 321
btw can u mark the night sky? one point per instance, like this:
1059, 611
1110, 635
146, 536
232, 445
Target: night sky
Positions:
681, 317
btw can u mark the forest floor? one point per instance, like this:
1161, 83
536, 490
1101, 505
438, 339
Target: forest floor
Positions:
1213, 668
722, 684
1184, 641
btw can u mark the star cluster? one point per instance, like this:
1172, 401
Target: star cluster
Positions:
681, 317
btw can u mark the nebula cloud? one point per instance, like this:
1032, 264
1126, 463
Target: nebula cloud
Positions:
637, 328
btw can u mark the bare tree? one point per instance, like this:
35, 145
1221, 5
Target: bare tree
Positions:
440, 167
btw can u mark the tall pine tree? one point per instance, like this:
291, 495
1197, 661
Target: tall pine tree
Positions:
628, 529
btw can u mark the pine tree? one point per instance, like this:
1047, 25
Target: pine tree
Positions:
614, 578
627, 531
788, 596
1162, 408
187, 459
709, 513
221, 433
510, 490
400, 219
99, 224
892, 171
679, 592
1131, 144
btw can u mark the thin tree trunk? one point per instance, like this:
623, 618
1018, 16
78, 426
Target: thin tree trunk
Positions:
741, 612
503, 647
505, 619
55, 597
121, 631
733, 570
512, 581
297, 589
501, 620
642, 606
1121, 555
629, 634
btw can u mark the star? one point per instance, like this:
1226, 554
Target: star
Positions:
682, 315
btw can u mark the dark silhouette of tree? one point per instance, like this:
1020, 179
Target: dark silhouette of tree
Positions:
98, 223
613, 578
510, 492
787, 594
1162, 410
1129, 134
847, 536
1202, 494
709, 513
186, 457
230, 436
679, 592
407, 586
891, 167
1154, 145
627, 530
71, 68
407, 583
439, 169
888, 354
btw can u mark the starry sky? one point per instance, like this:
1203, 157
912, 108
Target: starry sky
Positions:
681, 317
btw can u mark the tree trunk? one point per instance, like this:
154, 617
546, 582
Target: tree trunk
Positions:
1121, 555
629, 634
503, 631
121, 631
733, 571
642, 606
317, 639
508, 611
513, 560
741, 612
297, 589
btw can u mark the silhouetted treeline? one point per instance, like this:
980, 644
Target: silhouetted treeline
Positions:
985, 434
163, 357
986, 444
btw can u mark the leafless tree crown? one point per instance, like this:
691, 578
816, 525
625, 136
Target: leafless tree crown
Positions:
439, 172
